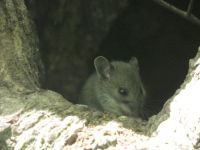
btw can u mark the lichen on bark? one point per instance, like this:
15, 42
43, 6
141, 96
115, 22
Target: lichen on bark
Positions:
33, 118
19, 59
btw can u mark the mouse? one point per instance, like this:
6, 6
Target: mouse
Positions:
115, 87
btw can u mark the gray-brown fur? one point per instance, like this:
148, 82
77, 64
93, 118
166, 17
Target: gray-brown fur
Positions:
115, 87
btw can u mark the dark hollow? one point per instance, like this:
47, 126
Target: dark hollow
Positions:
162, 41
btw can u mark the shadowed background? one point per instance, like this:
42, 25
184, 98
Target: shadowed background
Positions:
73, 32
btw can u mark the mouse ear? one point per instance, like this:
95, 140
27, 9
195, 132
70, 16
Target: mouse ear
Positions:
134, 62
103, 67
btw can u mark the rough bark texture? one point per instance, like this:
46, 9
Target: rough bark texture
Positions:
177, 125
43, 119
72, 127
19, 57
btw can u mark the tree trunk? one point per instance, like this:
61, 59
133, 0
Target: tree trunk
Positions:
32, 118
20, 62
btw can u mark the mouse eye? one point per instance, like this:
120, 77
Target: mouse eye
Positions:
123, 91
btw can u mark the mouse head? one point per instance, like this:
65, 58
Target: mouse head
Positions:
120, 88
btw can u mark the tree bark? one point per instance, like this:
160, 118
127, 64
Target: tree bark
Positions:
20, 62
32, 118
